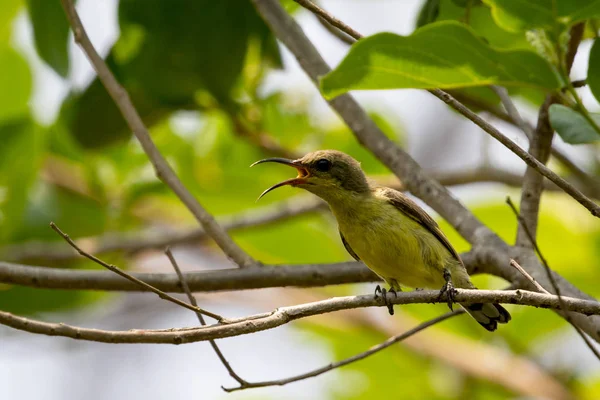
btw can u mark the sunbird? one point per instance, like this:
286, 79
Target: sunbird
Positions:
386, 230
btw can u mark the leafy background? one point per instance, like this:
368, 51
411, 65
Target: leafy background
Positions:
208, 78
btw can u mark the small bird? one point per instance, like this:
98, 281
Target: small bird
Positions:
386, 230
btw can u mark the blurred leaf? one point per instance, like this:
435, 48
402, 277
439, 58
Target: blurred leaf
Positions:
21, 152
518, 15
168, 52
439, 55
593, 74
7, 14
428, 13
33, 301
50, 32
15, 84
572, 126
75, 214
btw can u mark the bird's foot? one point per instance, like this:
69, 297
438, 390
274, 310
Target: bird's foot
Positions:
379, 291
448, 290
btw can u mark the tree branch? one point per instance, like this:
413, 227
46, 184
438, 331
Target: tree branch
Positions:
349, 360
283, 315
162, 169
193, 301
133, 279
540, 147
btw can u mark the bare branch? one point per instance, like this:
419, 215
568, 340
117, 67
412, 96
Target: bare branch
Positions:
349, 360
512, 146
540, 147
309, 5
133, 279
530, 278
308, 275
193, 301
163, 170
550, 277
283, 315
335, 31
589, 185
540, 144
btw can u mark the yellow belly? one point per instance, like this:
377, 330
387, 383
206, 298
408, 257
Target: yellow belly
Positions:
395, 247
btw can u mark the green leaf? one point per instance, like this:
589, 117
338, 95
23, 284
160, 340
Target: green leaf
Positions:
168, 52
15, 84
439, 55
9, 10
21, 151
428, 13
593, 75
573, 127
51, 33
522, 15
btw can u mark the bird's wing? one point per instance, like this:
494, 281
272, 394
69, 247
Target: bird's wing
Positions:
412, 210
348, 248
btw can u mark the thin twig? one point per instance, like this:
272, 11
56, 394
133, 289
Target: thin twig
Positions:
138, 282
193, 301
512, 111
283, 315
309, 5
550, 276
525, 156
349, 360
530, 278
491, 130
162, 168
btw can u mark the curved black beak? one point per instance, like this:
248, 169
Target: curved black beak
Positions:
302, 173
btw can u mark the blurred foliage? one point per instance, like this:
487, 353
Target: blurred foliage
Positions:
198, 72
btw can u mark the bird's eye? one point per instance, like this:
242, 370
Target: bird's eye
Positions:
323, 165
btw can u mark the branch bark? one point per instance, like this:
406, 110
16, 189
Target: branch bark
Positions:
162, 169
283, 315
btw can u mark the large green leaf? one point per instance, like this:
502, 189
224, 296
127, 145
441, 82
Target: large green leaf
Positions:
15, 84
50, 31
593, 75
572, 126
439, 55
520, 15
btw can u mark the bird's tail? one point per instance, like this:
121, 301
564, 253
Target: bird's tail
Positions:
487, 314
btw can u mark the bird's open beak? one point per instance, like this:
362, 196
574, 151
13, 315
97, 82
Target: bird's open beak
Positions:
303, 173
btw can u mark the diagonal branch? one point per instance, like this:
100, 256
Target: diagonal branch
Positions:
193, 301
349, 360
540, 147
133, 279
530, 236
284, 315
162, 169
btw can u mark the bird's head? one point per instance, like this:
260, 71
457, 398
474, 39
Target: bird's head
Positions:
330, 174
